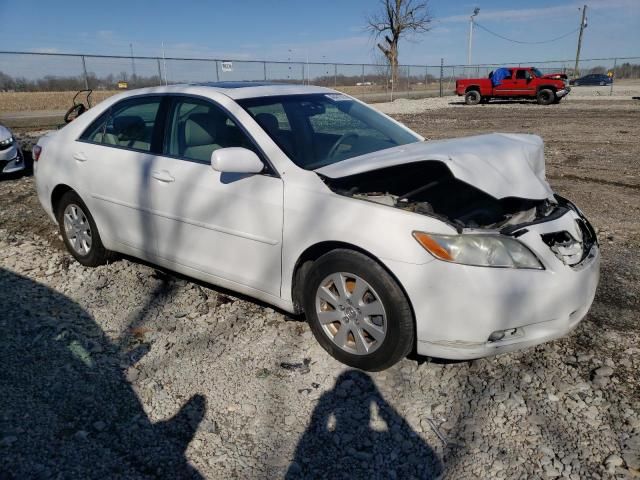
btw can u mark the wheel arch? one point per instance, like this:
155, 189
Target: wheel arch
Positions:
57, 193
314, 252
553, 88
472, 88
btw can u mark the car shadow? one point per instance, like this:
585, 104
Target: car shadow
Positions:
355, 433
66, 409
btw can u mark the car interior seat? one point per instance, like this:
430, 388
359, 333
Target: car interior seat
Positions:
270, 124
201, 134
130, 131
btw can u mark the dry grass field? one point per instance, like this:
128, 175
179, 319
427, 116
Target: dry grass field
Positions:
30, 101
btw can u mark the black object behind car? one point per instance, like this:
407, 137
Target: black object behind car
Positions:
593, 79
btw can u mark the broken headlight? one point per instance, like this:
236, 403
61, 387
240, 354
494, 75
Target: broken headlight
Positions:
479, 250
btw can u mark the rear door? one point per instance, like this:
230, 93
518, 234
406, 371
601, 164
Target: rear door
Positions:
506, 88
115, 154
225, 225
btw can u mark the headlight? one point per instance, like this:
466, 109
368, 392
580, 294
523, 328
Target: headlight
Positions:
7, 142
485, 250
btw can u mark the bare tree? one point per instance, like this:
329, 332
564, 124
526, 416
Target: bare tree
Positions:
398, 19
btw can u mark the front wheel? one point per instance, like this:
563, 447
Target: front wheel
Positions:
472, 97
357, 311
546, 96
79, 231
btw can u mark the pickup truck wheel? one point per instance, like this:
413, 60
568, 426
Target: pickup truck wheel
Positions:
546, 96
472, 97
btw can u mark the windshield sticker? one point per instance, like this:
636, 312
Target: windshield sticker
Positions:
337, 97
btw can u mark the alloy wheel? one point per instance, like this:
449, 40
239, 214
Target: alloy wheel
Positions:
351, 313
77, 229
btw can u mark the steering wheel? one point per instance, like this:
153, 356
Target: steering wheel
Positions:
340, 141
74, 112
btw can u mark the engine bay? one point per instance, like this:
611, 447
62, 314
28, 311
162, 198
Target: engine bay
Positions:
429, 188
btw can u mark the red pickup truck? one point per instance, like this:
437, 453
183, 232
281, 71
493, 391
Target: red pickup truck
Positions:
514, 82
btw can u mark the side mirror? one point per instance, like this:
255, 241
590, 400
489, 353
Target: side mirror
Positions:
236, 160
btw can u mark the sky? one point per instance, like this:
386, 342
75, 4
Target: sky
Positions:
327, 30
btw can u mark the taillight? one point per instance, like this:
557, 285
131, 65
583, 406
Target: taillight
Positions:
37, 150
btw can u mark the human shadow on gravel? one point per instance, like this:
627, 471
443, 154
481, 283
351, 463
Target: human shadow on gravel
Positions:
66, 409
355, 433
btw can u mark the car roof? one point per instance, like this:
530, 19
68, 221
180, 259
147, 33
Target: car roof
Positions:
237, 90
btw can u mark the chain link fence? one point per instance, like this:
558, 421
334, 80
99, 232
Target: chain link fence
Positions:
55, 72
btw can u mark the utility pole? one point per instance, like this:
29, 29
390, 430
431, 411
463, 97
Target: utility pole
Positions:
475, 14
583, 25
133, 62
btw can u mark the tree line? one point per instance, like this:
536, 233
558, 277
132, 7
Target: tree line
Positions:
54, 83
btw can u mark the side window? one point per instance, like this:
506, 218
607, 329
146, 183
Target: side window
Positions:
129, 124
521, 74
196, 128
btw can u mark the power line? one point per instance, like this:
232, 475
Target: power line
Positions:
526, 43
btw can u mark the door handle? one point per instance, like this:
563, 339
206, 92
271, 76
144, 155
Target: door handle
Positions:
163, 176
80, 157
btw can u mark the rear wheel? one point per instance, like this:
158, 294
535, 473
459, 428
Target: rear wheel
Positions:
79, 231
357, 311
546, 96
472, 97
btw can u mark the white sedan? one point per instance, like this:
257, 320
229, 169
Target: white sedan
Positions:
314, 202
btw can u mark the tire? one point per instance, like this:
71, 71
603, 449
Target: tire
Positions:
546, 96
390, 321
472, 97
85, 246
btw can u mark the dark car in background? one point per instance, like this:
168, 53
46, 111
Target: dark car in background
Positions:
593, 79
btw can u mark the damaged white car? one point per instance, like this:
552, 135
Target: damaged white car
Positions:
314, 202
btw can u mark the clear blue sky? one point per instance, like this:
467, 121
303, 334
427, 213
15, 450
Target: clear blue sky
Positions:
326, 30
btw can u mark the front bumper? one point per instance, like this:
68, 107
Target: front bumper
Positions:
11, 160
459, 307
563, 93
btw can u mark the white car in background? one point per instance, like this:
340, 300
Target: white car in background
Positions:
11, 157
314, 202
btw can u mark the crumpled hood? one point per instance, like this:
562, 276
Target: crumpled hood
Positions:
500, 164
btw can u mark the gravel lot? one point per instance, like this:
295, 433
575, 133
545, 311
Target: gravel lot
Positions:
127, 372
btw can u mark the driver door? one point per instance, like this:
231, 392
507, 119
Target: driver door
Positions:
225, 225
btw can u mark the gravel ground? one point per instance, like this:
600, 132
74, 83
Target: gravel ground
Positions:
124, 371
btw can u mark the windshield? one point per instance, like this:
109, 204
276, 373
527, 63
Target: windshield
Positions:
321, 129
537, 72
